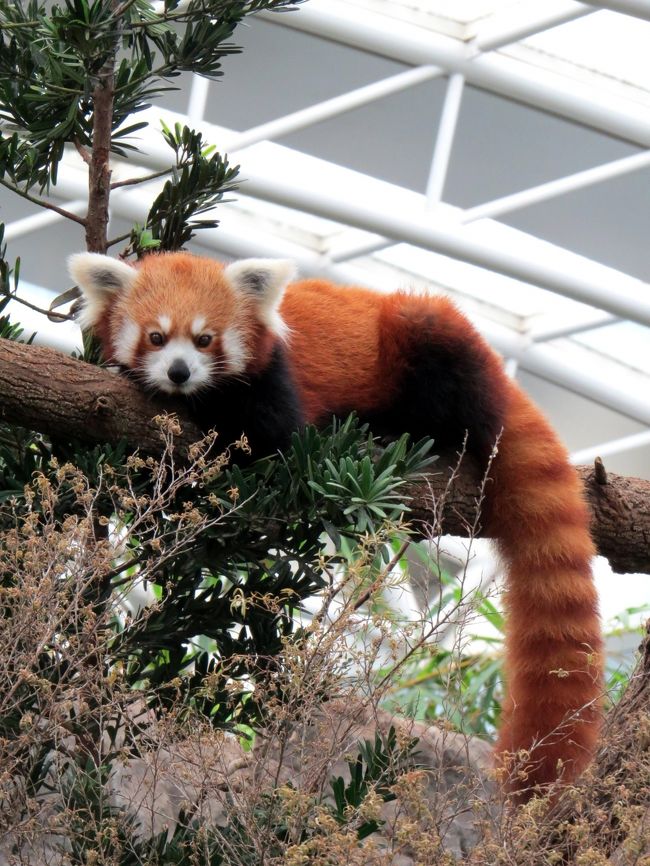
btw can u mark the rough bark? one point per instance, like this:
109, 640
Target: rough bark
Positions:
99, 171
45, 390
620, 509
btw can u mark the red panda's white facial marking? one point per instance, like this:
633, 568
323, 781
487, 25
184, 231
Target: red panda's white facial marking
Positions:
234, 349
198, 325
178, 367
125, 341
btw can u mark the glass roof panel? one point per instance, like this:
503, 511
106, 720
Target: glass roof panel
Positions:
624, 341
605, 42
462, 11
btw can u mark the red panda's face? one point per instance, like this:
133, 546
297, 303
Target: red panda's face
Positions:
176, 355
181, 322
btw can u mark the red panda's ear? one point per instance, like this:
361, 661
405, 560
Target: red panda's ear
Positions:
264, 280
99, 278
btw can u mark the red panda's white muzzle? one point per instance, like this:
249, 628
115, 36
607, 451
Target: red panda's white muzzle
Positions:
178, 367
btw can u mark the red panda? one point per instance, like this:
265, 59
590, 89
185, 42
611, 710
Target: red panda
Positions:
251, 350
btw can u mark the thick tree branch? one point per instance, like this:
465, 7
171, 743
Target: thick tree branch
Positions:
44, 390
620, 509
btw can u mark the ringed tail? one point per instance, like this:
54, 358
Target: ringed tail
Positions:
551, 718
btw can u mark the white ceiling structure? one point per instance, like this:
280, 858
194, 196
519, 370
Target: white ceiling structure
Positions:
491, 149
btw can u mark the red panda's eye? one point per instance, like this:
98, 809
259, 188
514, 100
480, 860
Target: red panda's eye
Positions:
204, 341
156, 338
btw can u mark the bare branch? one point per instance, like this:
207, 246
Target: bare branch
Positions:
41, 202
82, 151
131, 181
59, 317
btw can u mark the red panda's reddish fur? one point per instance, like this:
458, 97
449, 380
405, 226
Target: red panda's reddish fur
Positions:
553, 639
350, 349
535, 510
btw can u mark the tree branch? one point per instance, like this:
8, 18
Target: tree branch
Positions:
45, 390
131, 181
42, 202
620, 509
52, 314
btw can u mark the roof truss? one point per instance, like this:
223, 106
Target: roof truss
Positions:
355, 227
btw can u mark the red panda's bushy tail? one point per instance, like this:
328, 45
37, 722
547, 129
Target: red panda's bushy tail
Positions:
536, 510
411, 362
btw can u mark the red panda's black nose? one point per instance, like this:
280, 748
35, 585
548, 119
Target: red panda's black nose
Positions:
178, 372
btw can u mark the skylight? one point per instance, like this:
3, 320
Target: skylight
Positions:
542, 104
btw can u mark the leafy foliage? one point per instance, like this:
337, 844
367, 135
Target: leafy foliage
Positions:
463, 681
226, 555
235, 586
375, 768
373, 772
101, 831
52, 56
455, 681
8, 276
199, 181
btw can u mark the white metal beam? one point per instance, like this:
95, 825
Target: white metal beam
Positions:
551, 364
614, 446
503, 28
630, 302
515, 201
548, 91
332, 107
42, 219
521, 20
445, 138
589, 323
198, 99
636, 8
344, 249
626, 296
496, 37
554, 188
